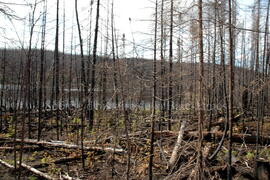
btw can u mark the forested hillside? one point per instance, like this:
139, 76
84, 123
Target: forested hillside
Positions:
82, 97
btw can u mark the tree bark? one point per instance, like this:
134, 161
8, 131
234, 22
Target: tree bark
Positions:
201, 95
93, 73
231, 91
154, 93
174, 156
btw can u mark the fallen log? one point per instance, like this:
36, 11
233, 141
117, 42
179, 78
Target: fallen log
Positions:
6, 164
236, 137
61, 144
37, 172
28, 168
59, 161
26, 148
177, 146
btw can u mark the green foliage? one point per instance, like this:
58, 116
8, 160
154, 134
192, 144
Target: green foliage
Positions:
265, 153
32, 178
52, 169
250, 156
90, 159
43, 160
11, 130
234, 153
46, 158
76, 120
35, 153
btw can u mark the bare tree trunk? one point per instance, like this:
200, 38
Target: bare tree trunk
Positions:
170, 70
154, 94
63, 97
162, 68
265, 63
201, 95
3, 84
213, 85
27, 84
89, 44
41, 77
114, 60
126, 122
231, 91
259, 94
56, 57
70, 69
84, 88
93, 73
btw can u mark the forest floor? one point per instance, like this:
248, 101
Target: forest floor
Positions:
106, 149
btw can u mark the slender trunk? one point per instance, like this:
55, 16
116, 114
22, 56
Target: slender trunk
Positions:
154, 94
114, 60
265, 64
63, 101
162, 71
27, 84
70, 69
29, 70
89, 43
3, 84
258, 76
84, 88
56, 57
170, 70
231, 91
201, 95
126, 120
93, 73
213, 94
41, 77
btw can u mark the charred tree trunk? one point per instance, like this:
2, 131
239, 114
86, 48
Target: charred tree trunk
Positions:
154, 94
3, 84
201, 95
56, 60
93, 72
114, 61
231, 91
84, 88
170, 70
41, 77
162, 67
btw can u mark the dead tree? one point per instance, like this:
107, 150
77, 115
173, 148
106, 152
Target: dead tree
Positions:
84, 89
63, 100
154, 94
41, 77
170, 70
70, 69
93, 72
162, 66
2, 86
231, 91
114, 60
26, 85
201, 95
56, 62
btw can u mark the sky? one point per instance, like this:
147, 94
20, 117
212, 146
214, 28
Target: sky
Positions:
132, 18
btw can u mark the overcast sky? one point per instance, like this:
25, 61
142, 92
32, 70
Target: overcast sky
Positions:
131, 18
138, 11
